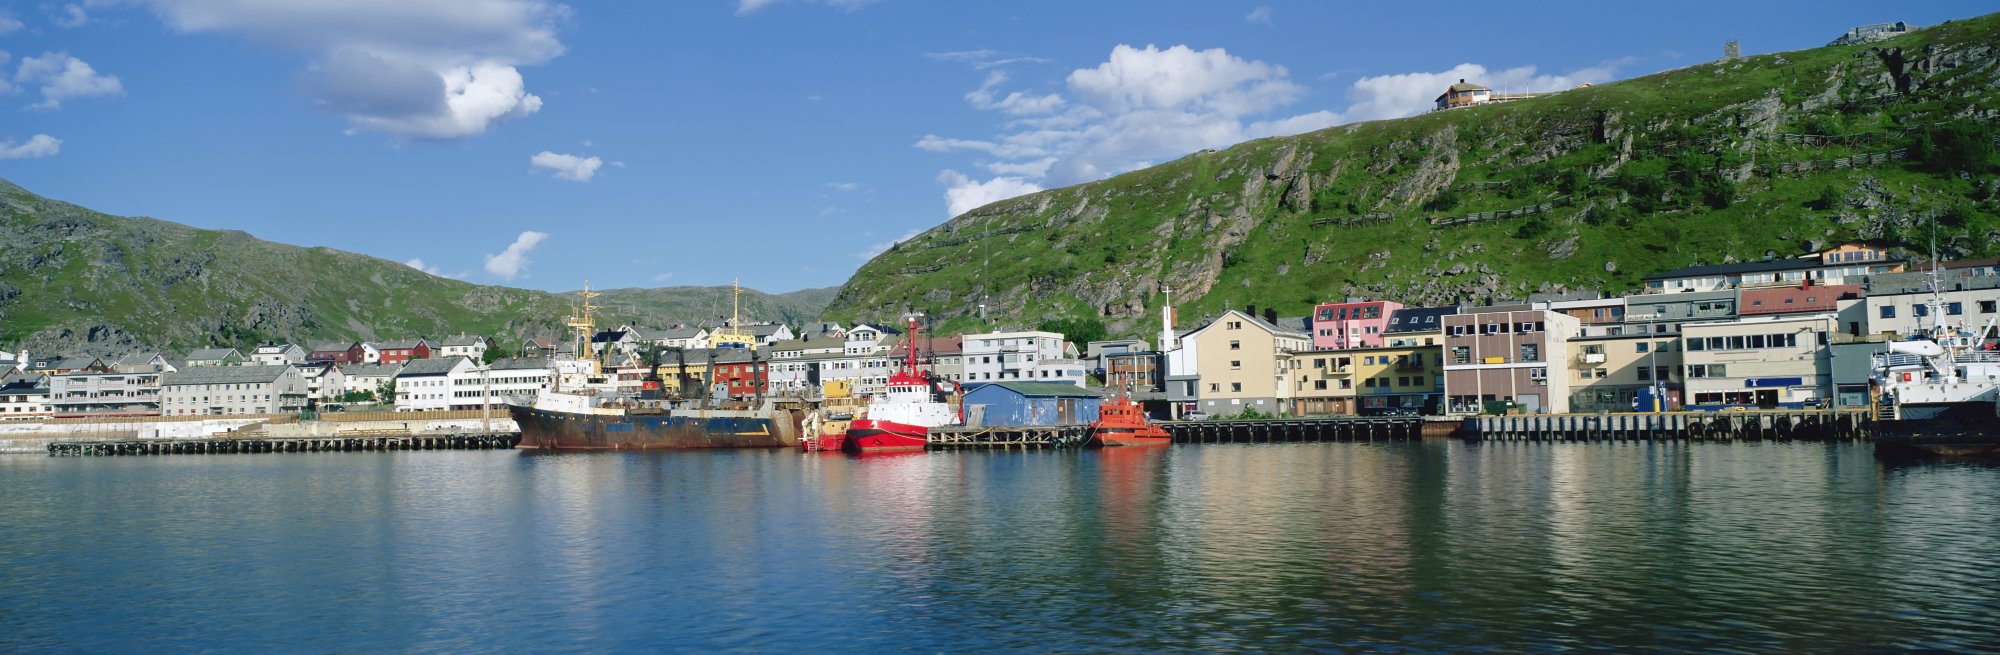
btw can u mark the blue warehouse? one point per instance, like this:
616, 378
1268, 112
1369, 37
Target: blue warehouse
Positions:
1011, 404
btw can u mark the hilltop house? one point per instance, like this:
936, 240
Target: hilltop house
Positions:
1844, 264
60, 365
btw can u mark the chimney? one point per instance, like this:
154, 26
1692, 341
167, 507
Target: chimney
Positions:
1271, 316
1461, 80
1250, 309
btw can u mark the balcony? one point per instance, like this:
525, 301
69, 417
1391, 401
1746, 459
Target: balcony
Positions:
1591, 358
1409, 367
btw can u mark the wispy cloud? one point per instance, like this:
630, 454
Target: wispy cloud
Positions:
744, 7
844, 187
70, 16
984, 59
1259, 15
37, 146
418, 264
513, 261
568, 167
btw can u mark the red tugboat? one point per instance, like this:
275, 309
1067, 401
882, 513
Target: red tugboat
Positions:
1120, 422
901, 420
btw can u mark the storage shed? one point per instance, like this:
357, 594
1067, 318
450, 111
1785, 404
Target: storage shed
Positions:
1010, 404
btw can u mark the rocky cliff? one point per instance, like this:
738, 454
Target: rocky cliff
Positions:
1592, 188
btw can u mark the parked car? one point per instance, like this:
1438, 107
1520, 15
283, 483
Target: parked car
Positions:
1196, 415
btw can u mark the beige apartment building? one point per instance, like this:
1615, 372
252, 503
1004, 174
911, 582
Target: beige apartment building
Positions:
1244, 363
1609, 370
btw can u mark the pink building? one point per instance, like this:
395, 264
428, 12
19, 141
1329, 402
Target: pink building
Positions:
1357, 324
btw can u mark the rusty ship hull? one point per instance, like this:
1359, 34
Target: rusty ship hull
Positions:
548, 429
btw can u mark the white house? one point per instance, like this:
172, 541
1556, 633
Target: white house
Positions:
1011, 356
324, 381
214, 357
517, 380
23, 399
429, 384
278, 354
372, 378
471, 347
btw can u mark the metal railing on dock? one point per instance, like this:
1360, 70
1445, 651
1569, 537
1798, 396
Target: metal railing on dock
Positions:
1327, 428
1813, 425
357, 441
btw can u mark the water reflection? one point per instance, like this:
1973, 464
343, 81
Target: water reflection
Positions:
1273, 547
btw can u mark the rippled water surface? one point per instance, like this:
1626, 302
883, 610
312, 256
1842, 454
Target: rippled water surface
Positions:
1416, 547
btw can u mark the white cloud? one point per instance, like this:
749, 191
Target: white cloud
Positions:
1151, 104
418, 264
883, 247
37, 146
1258, 15
663, 277
5, 86
751, 6
963, 194
72, 16
844, 187
568, 167
9, 24
63, 77
419, 70
1016, 103
510, 263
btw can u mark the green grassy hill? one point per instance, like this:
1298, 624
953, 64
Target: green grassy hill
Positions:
74, 280
1592, 188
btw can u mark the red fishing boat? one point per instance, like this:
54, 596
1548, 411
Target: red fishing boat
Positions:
1120, 422
902, 418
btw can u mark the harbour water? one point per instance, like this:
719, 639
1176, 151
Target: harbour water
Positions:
1414, 546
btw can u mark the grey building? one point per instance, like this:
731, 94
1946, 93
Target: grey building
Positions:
233, 390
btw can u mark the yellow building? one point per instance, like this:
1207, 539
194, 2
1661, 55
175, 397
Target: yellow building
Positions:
1323, 383
672, 374
1398, 379
1607, 372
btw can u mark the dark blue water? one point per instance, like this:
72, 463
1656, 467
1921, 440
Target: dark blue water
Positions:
1421, 547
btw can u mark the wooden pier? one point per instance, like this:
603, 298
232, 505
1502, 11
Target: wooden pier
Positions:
1780, 425
347, 442
1324, 428
1008, 436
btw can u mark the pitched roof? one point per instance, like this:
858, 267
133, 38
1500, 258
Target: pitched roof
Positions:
372, 370
332, 346
23, 386
225, 375
834, 343
436, 366
766, 330
1792, 300
137, 359
464, 340
607, 336
1299, 324
206, 354
950, 345
1418, 319
878, 328
518, 364
68, 363
1041, 389
403, 344
273, 348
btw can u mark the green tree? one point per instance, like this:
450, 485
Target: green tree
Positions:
1959, 146
1078, 330
494, 353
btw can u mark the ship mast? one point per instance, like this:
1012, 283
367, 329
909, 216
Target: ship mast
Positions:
581, 320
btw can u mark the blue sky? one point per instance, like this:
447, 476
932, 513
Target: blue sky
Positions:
782, 142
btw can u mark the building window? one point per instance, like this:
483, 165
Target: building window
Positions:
1531, 352
1954, 308
1641, 346
1461, 355
1645, 374
1235, 364
1235, 386
1987, 306
1235, 345
1920, 310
